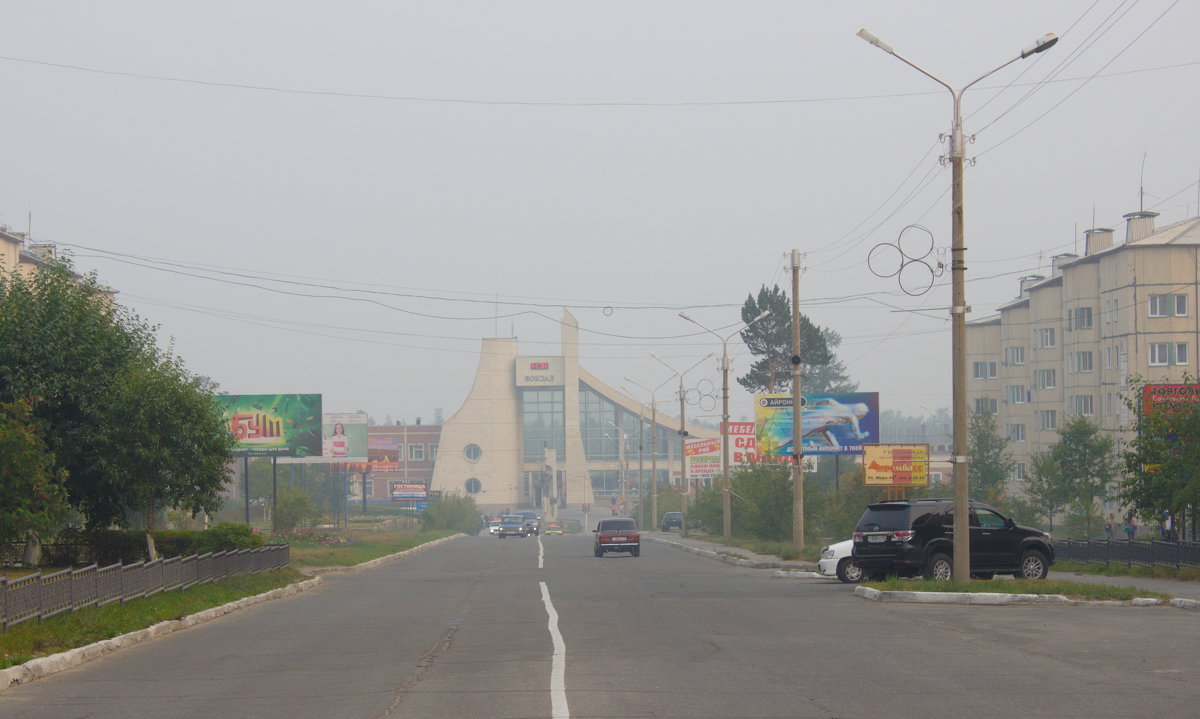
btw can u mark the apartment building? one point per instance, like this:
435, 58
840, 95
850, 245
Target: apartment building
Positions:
1070, 343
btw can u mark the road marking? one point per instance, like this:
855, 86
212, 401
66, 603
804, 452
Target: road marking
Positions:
541, 554
558, 667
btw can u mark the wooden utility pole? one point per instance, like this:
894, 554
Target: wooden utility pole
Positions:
797, 397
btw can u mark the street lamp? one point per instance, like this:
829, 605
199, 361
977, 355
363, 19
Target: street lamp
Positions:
653, 447
958, 304
682, 434
726, 503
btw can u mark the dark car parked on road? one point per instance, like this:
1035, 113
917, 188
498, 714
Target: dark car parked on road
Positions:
671, 520
916, 537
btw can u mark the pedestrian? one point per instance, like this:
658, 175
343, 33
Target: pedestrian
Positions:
1130, 529
1108, 528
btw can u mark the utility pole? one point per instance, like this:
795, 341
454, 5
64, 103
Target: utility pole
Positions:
797, 412
685, 486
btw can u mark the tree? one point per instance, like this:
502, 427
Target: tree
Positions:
770, 340
1046, 488
990, 464
1161, 459
1086, 465
33, 498
165, 443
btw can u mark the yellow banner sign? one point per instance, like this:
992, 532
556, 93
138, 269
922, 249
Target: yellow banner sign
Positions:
896, 465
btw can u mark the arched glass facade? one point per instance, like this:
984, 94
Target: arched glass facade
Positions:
542, 414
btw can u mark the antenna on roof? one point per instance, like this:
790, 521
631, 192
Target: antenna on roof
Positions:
1142, 184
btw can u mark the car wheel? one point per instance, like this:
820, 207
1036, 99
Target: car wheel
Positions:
940, 568
598, 553
848, 573
1033, 565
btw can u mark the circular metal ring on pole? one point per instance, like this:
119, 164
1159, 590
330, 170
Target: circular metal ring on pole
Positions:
607, 311
708, 403
908, 260
706, 386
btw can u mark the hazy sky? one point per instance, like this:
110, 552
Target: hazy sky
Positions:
344, 197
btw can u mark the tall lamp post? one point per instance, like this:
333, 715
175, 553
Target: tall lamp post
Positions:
726, 489
683, 434
653, 447
958, 304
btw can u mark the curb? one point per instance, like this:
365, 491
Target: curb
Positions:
997, 598
738, 561
371, 564
789, 574
45, 666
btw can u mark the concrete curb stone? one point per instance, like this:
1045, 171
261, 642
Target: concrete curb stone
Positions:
738, 561
998, 598
45, 666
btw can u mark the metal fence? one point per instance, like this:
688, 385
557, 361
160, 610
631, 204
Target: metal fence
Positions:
1130, 553
39, 596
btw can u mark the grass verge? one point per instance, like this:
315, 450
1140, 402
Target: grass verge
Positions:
66, 631
1072, 590
317, 549
1184, 574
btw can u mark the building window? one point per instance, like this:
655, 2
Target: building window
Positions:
984, 370
1043, 338
472, 452
1015, 432
542, 416
416, 453
1048, 419
473, 486
1108, 404
1168, 305
598, 426
1079, 362
432, 452
1046, 379
1018, 471
1082, 318
1016, 394
1014, 355
985, 405
1083, 404
1163, 354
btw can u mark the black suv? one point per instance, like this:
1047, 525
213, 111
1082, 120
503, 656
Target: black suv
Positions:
916, 537
672, 520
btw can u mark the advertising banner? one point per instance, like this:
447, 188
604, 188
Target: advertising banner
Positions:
344, 437
1156, 396
742, 443
896, 465
703, 459
273, 425
409, 491
831, 423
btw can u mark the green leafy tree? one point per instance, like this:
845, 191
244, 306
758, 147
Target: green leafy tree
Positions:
770, 341
295, 508
1086, 465
63, 341
1046, 488
33, 498
990, 464
165, 442
1162, 458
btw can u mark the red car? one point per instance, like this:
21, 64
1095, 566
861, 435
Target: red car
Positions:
617, 535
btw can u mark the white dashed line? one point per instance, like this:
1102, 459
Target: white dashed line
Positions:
558, 668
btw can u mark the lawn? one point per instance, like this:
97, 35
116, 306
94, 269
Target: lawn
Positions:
328, 548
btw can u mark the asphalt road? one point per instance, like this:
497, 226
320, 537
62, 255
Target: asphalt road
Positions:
466, 630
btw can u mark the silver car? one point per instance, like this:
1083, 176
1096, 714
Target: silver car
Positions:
837, 561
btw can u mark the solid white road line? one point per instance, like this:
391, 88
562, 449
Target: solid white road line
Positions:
558, 668
541, 553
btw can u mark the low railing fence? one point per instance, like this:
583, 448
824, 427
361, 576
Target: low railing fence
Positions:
1128, 553
39, 596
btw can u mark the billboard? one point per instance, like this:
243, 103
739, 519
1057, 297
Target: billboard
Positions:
1157, 396
831, 423
344, 437
409, 491
273, 425
742, 445
896, 465
703, 459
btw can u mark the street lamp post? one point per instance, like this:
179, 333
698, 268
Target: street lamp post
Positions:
726, 489
958, 303
683, 435
653, 445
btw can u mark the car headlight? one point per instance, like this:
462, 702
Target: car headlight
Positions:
826, 553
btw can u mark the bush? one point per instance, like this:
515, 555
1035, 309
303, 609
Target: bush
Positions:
294, 508
109, 546
454, 512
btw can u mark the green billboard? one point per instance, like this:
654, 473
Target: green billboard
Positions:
273, 425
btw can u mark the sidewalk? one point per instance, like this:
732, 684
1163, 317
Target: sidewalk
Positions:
746, 558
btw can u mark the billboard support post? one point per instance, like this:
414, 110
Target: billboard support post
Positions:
246, 485
274, 493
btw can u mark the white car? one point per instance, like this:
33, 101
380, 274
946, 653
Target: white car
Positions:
836, 561
493, 526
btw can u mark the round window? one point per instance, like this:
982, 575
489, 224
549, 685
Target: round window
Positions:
473, 486
472, 453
